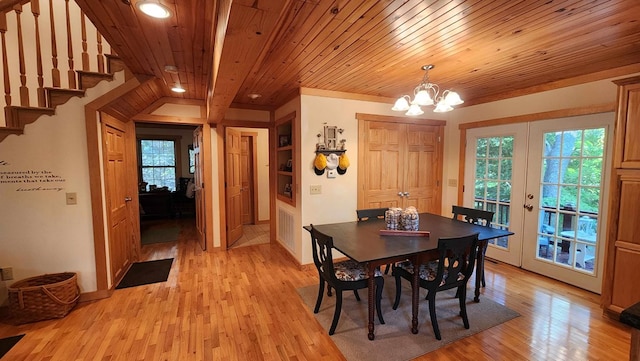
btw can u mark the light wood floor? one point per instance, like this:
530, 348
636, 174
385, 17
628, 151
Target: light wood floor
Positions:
242, 305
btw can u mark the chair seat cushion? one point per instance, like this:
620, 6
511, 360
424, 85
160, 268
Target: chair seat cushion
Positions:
428, 271
352, 271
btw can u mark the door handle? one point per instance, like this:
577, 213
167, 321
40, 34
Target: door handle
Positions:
400, 194
127, 199
529, 207
406, 194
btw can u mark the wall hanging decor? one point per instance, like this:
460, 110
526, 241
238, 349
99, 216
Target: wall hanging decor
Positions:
331, 152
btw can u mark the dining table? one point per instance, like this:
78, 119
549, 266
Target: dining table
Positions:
364, 242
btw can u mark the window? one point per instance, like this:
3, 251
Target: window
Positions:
192, 159
158, 162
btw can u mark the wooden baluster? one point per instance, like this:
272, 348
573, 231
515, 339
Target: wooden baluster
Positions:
5, 65
24, 91
100, 56
71, 72
85, 54
55, 72
35, 10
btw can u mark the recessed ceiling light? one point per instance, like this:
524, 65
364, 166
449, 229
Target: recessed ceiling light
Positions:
153, 9
178, 89
172, 69
254, 96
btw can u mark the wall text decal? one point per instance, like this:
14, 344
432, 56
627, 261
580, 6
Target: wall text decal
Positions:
31, 180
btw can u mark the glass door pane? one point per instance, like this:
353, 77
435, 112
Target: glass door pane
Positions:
493, 168
495, 180
566, 198
570, 193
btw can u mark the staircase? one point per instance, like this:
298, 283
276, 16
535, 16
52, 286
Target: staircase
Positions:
29, 44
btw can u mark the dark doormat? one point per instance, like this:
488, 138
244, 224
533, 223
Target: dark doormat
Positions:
144, 273
7, 343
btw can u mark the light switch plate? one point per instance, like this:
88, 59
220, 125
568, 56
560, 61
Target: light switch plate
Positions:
315, 189
332, 173
72, 198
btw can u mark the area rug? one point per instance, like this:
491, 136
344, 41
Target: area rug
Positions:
7, 343
143, 273
159, 234
394, 340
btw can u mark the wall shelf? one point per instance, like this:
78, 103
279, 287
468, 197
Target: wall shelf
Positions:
285, 159
329, 151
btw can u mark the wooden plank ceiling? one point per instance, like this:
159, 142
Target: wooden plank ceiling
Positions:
226, 50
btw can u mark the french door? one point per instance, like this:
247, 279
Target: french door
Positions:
545, 181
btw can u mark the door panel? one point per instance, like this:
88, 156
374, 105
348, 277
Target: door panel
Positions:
116, 194
246, 178
199, 187
566, 192
552, 194
233, 185
495, 176
383, 148
402, 166
422, 175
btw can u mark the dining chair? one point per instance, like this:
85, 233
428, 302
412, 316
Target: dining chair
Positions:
475, 216
342, 276
369, 214
452, 270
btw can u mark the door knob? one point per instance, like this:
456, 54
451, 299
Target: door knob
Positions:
406, 194
400, 194
529, 207
127, 199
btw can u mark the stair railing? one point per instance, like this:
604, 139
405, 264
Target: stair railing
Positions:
31, 34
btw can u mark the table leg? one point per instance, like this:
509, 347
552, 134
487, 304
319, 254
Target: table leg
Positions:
415, 295
479, 270
371, 291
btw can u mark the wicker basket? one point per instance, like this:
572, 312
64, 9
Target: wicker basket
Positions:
43, 297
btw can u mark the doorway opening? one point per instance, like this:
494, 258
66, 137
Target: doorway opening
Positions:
247, 186
166, 196
546, 181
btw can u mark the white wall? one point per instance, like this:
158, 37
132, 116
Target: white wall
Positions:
39, 233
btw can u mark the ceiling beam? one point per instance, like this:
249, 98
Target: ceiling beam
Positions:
247, 29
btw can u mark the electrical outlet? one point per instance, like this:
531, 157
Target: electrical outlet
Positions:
6, 274
315, 189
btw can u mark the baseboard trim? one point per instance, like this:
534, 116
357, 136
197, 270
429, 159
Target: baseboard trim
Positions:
94, 296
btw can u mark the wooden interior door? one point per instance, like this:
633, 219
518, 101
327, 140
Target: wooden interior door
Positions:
246, 179
233, 185
199, 187
423, 168
400, 163
383, 168
120, 251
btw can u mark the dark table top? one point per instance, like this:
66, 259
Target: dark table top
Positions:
631, 316
362, 242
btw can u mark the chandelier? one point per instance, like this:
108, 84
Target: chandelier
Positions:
426, 94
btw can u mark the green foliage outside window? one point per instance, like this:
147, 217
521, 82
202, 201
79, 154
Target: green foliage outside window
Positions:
158, 162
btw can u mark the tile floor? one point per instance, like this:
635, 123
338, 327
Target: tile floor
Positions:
253, 234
